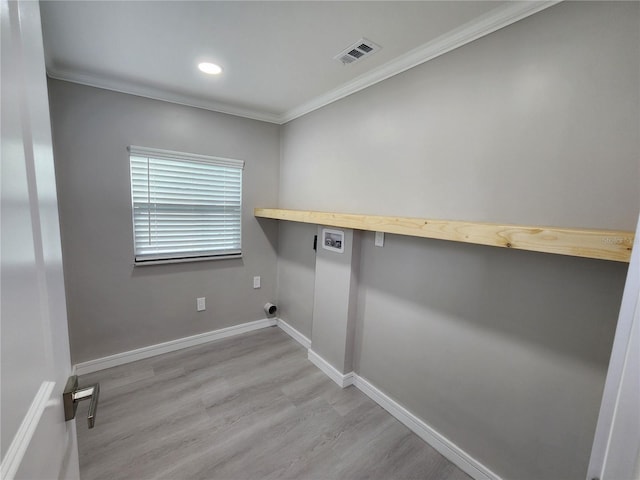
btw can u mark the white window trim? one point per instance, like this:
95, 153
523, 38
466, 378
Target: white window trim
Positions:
173, 155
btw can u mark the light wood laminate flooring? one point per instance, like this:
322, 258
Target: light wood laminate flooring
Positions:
244, 408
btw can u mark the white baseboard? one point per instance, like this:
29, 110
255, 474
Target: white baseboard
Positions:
170, 346
443, 445
21, 440
295, 334
342, 379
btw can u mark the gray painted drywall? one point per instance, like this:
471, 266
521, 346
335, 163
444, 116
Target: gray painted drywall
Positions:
335, 301
503, 352
114, 307
536, 124
296, 274
505, 355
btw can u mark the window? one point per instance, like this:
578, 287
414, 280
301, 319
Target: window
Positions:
186, 207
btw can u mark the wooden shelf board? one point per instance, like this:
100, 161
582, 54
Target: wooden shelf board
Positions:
612, 245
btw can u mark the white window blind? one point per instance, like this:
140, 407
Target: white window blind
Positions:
185, 206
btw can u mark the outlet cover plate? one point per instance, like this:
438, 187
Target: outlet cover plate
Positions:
201, 304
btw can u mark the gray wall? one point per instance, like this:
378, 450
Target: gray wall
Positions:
535, 124
335, 301
296, 274
114, 307
503, 352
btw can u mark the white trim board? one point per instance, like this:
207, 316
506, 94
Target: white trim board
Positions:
170, 346
500, 17
443, 445
622, 370
295, 334
21, 440
342, 379
490, 22
145, 91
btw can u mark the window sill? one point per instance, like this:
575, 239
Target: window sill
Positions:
184, 260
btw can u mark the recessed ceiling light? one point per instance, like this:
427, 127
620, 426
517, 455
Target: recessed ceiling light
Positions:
210, 68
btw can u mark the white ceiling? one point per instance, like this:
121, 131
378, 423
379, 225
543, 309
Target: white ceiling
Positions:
277, 56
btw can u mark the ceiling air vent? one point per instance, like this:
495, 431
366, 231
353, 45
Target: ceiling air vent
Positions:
359, 50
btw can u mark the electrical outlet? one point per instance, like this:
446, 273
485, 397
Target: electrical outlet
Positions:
256, 282
200, 304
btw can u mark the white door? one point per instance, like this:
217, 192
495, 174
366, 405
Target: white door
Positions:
616, 447
36, 442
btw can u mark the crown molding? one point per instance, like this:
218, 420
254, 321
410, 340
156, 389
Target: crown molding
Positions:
493, 20
159, 94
